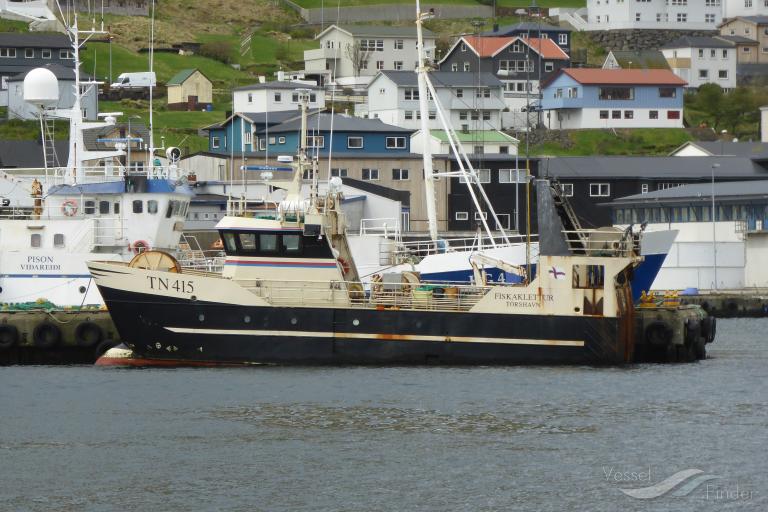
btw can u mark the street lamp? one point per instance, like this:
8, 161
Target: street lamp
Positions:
714, 241
722, 141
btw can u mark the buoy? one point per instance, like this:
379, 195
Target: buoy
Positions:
139, 246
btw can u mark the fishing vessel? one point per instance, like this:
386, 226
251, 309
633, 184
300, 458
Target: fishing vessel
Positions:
60, 217
290, 292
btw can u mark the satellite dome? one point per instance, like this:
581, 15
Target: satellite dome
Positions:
41, 88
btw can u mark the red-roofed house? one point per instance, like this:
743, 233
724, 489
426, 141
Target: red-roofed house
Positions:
518, 62
613, 98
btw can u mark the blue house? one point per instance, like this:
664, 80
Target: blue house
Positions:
613, 98
350, 136
234, 135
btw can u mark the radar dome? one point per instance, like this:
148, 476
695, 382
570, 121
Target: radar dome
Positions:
41, 88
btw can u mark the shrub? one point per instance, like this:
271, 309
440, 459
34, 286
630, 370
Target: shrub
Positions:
217, 50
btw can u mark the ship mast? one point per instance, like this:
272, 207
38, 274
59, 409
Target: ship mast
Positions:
421, 72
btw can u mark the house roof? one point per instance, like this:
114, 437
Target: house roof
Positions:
257, 118
34, 40
91, 135
729, 148
181, 77
276, 84
760, 20
341, 123
445, 79
652, 167
526, 26
490, 46
594, 76
739, 40
724, 191
752, 70
475, 136
377, 31
61, 73
29, 153
643, 59
698, 42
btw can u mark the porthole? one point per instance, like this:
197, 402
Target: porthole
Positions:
577, 309
355, 322
294, 321
81, 289
247, 319
201, 317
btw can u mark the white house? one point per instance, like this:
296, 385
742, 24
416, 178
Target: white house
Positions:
352, 55
764, 124
734, 8
655, 14
482, 142
702, 60
472, 101
275, 97
613, 98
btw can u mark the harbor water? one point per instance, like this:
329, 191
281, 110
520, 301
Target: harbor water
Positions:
685, 437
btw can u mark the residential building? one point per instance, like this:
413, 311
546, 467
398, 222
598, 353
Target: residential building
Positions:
749, 27
351, 55
472, 101
190, 89
738, 8
275, 96
754, 150
654, 14
22, 52
20, 109
529, 29
764, 124
520, 63
702, 60
235, 134
28, 154
641, 59
337, 135
105, 138
613, 98
483, 142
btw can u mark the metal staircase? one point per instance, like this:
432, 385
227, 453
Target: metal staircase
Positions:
570, 220
51, 159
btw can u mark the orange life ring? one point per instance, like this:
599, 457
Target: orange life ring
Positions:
69, 207
139, 246
344, 265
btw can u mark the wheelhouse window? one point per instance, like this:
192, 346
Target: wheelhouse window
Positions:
58, 240
104, 207
275, 244
152, 206
35, 240
89, 207
138, 206
248, 241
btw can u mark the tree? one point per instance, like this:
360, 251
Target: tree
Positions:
709, 99
357, 55
739, 107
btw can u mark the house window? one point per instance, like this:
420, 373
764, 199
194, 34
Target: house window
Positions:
250, 97
503, 150
725, 54
629, 114
673, 114
398, 44
395, 143
667, 92
516, 47
637, 16
709, 18
548, 66
644, 188
29, 53
483, 176
46, 53
615, 114
8, 53
409, 114
503, 221
315, 141
486, 115
411, 94
455, 66
432, 115
370, 174
562, 39
281, 140
338, 173
682, 17
722, 74
66, 54
379, 64
248, 137
462, 216
278, 97
617, 93
354, 142
398, 64
603, 114
466, 66
463, 47
399, 174
566, 189
511, 176
58, 240
653, 114
214, 142
746, 49
701, 53
36, 240
482, 93
138, 206
459, 93
272, 141
479, 215
703, 74
599, 190
478, 150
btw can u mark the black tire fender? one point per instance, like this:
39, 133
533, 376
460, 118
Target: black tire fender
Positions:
46, 335
88, 334
658, 333
9, 336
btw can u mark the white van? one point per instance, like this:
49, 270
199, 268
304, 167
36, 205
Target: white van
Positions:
135, 80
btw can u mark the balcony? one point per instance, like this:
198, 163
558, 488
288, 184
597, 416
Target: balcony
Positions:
322, 54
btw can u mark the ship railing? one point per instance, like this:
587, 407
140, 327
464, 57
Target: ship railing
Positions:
423, 248
43, 211
257, 208
601, 243
388, 227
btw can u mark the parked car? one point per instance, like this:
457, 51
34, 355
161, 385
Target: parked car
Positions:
135, 80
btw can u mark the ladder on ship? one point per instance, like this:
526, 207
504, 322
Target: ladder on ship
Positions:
49, 148
571, 221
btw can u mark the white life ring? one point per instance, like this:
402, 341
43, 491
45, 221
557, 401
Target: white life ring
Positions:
69, 207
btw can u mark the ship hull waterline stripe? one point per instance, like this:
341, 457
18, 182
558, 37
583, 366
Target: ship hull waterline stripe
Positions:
369, 336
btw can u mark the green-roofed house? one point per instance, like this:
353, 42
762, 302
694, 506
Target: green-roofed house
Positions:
189, 89
489, 142
643, 59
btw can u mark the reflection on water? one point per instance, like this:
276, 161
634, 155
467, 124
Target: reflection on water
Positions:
433, 439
